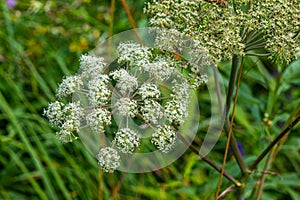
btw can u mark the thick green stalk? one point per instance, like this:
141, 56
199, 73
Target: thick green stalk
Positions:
233, 143
228, 124
232, 80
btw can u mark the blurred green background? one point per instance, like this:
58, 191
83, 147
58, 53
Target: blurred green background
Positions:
41, 42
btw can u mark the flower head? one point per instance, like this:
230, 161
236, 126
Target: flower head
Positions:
149, 90
175, 111
66, 117
268, 24
68, 86
126, 107
133, 53
109, 159
126, 83
98, 119
152, 111
164, 138
161, 68
99, 92
126, 140
54, 113
145, 87
91, 65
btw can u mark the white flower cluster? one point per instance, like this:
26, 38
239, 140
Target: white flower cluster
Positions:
176, 108
228, 30
175, 112
70, 117
170, 40
133, 54
152, 111
149, 90
109, 159
161, 69
99, 93
199, 80
68, 86
91, 65
164, 138
199, 57
66, 117
126, 83
98, 119
146, 87
54, 113
126, 140
126, 107
180, 90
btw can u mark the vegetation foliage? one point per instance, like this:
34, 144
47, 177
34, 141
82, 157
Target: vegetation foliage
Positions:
41, 42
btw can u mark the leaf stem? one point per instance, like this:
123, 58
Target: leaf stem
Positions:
274, 142
116, 189
255, 42
258, 54
233, 143
100, 184
230, 137
208, 161
233, 75
252, 36
263, 177
253, 47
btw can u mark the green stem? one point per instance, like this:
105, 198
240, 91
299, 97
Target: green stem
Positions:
255, 42
234, 6
233, 143
208, 161
274, 142
252, 36
254, 47
232, 80
258, 54
263, 177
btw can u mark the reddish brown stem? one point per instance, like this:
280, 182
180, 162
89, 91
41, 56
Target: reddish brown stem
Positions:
131, 20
